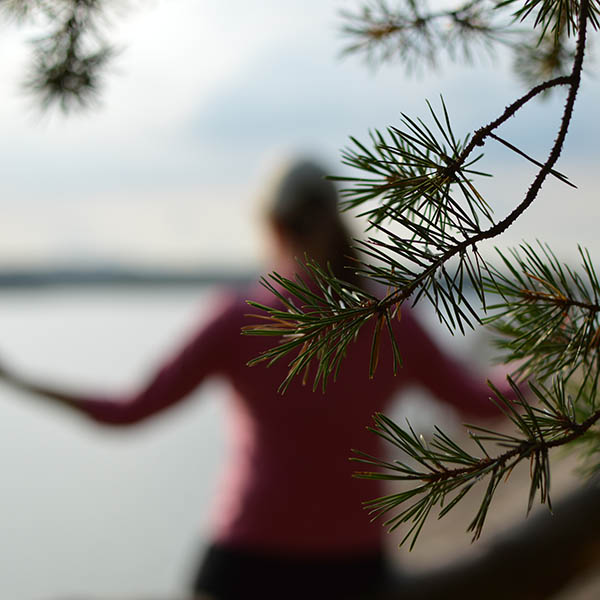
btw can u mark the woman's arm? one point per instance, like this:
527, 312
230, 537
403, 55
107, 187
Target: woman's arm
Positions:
449, 379
49, 392
207, 351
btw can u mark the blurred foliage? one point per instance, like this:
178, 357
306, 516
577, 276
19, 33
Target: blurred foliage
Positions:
70, 57
538, 34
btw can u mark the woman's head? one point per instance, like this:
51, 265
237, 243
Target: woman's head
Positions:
304, 202
303, 212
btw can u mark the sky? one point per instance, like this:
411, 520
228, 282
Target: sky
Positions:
205, 97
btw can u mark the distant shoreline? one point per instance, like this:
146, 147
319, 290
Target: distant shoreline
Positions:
127, 277
24, 278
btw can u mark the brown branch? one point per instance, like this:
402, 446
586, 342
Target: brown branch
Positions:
478, 138
523, 450
573, 80
559, 300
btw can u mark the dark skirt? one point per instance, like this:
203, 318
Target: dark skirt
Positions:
235, 574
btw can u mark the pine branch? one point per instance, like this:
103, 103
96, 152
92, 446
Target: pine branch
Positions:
575, 80
557, 16
317, 318
414, 170
429, 248
538, 59
68, 61
548, 315
413, 33
443, 470
478, 138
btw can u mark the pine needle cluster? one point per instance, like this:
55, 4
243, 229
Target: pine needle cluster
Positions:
539, 33
418, 186
70, 58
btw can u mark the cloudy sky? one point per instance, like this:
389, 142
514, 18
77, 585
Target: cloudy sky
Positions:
204, 97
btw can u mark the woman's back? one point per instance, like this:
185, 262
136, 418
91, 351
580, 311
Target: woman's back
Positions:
289, 484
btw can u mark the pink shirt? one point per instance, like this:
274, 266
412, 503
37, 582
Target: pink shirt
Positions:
288, 486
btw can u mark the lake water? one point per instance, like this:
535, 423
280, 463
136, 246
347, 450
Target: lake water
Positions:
89, 509
92, 511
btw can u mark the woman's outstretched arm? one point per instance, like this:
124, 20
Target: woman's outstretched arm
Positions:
209, 350
448, 378
20, 382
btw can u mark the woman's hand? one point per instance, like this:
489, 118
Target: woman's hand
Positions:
25, 384
5, 373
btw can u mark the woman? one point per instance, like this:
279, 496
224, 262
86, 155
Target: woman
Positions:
288, 521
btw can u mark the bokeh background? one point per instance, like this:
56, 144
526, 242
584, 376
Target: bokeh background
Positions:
166, 172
